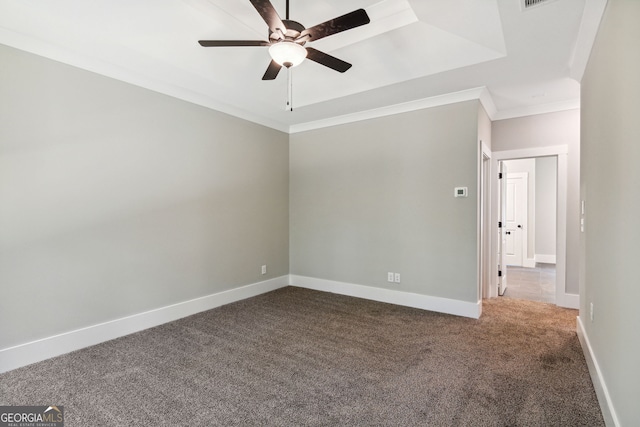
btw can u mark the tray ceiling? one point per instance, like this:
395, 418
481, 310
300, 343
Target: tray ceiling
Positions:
412, 53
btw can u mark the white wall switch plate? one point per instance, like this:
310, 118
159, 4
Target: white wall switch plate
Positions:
264, 269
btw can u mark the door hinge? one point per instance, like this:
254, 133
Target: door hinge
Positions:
499, 224
499, 175
499, 273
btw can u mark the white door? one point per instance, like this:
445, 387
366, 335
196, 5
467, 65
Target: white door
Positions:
516, 217
502, 242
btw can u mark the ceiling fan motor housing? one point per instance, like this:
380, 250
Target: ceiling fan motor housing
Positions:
293, 31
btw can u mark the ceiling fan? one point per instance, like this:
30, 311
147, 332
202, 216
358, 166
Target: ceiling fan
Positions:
287, 39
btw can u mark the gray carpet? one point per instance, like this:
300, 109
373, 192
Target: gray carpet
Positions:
300, 357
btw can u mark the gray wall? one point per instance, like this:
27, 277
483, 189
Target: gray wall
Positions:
561, 128
378, 196
484, 127
611, 188
545, 205
115, 200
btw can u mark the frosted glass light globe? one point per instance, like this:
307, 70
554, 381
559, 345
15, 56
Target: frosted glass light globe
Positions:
287, 53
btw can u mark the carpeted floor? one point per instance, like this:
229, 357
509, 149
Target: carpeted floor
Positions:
300, 357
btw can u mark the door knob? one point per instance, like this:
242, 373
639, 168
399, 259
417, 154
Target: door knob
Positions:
507, 232
519, 226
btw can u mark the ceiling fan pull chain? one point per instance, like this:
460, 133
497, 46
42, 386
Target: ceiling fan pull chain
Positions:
289, 106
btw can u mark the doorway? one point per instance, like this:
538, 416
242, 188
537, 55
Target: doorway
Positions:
558, 155
517, 216
530, 223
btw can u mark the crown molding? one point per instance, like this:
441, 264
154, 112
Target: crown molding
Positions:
589, 25
405, 107
534, 110
104, 68
65, 56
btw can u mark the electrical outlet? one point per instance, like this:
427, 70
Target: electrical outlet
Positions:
396, 278
460, 192
390, 277
264, 269
591, 312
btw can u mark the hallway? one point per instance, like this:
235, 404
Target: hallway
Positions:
533, 284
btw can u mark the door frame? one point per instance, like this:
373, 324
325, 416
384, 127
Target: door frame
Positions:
503, 280
485, 258
563, 299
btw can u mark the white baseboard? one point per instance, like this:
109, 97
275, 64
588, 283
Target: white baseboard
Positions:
545, 258
568, 301
529, 263
425, 302
604, 399
35, 351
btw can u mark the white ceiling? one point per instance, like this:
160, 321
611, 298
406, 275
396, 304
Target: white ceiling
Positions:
414, 53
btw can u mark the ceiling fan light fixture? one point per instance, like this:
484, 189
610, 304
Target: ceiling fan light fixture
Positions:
287, 53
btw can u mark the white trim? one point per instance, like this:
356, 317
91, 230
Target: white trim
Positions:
545, 258
529, 262
487, 102
562, 298
104, 68
483, 221
604, 398
533, 110
434, 101
36, 351
525, 153
485, 150
567, 300
589, 24
408, 299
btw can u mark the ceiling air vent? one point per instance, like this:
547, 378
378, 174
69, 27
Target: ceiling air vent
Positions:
528, 4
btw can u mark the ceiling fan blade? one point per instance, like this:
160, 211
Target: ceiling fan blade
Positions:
342, 23
227, 43
272, 71
327, 60
269, 14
